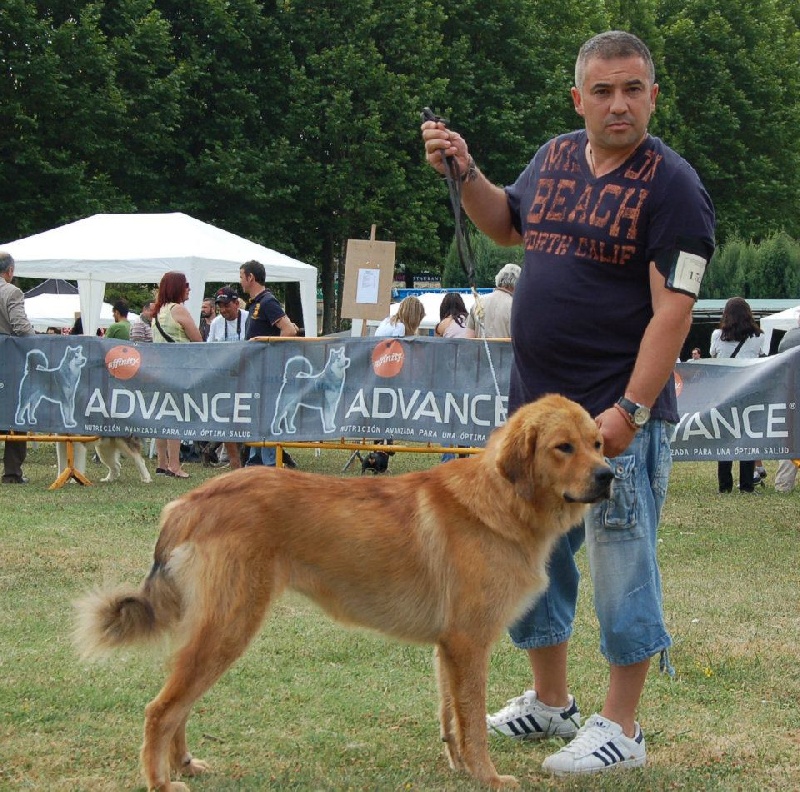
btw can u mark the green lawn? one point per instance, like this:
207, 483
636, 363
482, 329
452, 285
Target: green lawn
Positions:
313, 706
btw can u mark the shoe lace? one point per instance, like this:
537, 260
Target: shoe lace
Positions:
515, 706
590, 737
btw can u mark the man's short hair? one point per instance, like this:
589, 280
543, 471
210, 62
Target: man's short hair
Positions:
507, 277
256, 269
612, 44
6, 262
121, 306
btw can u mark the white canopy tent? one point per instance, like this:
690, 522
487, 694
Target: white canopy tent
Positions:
60, 310
784, 320
140, 248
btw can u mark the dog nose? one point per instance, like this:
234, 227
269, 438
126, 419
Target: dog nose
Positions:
603, 477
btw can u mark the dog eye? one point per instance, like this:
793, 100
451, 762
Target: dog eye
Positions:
598, 444
566, 448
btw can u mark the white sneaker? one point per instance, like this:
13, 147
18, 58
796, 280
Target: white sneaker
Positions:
599, 745
526, 718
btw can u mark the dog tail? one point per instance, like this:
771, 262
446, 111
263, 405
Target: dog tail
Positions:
297, 366
127, 617
35, 359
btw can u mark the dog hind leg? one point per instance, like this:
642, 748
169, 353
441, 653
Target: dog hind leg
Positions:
110, 458
141, 467
227, 621
463, 667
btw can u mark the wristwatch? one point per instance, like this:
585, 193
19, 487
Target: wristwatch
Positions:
639, 414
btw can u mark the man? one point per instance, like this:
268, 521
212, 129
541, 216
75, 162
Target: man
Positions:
121, 328
490, 317
206, 316
229, 325
232, 320
786, 475
617, 230
13, 321
266, 317
141, 331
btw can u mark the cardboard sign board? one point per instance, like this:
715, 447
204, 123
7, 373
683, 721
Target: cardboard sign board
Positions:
368, 277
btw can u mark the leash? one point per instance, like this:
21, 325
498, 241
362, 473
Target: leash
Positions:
452, 175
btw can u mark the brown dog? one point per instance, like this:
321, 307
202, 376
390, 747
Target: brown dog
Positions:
448, 556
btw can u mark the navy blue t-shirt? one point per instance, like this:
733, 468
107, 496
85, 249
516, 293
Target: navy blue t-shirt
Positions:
583, 301
262, 313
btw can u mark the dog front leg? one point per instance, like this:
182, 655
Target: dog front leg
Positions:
446, 725
464, 661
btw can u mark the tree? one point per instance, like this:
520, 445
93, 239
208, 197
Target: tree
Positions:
736, 71
489, 257
352, 127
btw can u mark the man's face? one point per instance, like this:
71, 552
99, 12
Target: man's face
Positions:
246, 281
207, 309
616, 101
146, 313
229, 309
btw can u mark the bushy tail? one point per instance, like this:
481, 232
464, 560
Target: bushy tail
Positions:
109, 620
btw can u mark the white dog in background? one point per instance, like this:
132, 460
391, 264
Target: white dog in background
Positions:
110, 451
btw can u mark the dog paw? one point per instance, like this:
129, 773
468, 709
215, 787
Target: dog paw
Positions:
194, 767
504, 782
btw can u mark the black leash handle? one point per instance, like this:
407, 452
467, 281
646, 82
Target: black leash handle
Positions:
452, 175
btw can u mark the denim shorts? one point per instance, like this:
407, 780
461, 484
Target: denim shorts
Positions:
621, 540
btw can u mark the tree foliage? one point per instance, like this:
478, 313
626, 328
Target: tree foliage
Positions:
296, 122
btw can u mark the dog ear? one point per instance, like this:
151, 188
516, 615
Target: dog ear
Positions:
515, 456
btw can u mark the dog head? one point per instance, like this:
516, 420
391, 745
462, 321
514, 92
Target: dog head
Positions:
75, 358
553, 446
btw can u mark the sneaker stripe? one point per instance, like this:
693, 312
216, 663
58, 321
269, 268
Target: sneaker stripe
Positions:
603, 758
533, 722
609, 754
515, 732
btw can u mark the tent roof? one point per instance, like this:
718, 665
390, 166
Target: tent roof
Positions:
52, 286
140, 248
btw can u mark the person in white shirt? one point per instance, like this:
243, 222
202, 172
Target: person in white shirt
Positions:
229, 325
737, 336
405, 322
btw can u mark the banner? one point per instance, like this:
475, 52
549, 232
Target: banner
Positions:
442, 391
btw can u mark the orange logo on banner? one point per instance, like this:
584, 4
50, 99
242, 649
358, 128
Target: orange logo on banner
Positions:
678, 383
123, 362
388, 358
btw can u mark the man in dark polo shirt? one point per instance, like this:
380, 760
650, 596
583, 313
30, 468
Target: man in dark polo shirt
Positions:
266, 316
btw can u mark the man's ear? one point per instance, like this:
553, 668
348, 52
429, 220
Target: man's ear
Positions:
577, 101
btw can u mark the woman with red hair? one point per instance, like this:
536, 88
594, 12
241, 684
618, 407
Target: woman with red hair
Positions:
172, 323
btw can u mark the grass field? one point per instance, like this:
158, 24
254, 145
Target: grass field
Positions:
312, 706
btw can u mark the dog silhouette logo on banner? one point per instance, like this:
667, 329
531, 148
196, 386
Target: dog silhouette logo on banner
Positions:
301, 387
57, 385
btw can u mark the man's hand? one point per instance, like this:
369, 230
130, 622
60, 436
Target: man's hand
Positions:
617, 431
439, 141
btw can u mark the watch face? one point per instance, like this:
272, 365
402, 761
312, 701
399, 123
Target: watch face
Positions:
641, 416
